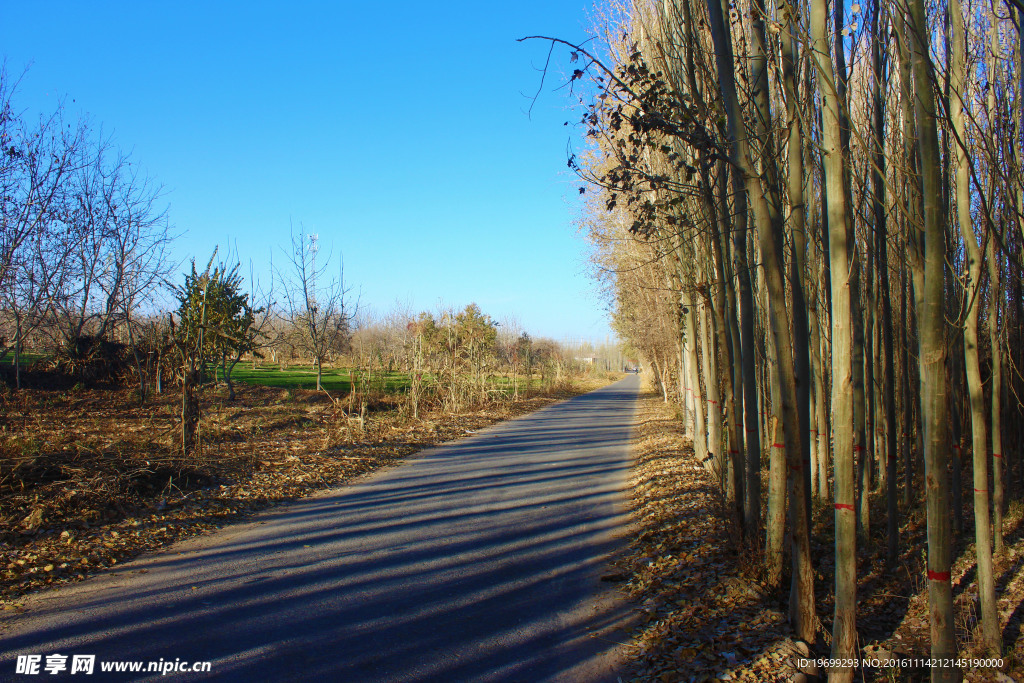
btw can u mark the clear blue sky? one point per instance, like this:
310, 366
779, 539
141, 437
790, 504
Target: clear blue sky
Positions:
397, 132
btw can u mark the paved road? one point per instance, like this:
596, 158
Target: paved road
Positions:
478, 561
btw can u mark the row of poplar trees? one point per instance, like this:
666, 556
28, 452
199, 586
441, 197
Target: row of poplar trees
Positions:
812, 220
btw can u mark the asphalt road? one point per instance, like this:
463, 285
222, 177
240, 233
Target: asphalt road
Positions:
476, 561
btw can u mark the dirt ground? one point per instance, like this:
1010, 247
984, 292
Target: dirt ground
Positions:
88, 478
706, 613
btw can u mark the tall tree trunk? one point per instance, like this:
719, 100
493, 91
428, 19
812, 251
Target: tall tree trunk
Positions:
998, 478
994, 300
726, 326
778, 494
821, 390
844, 634
928, 253
882, 247
700, 439
797, 270
881, 423
716, 450
751, 430
910, 216
907, 414
823, 387
866, 451
972, 364
769, 237
815, 390
958, 440
752, 441
1018, 156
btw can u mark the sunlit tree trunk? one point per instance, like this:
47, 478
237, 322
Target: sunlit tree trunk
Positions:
928, 259
994, 301
767, 203
821, 430
822, 362
995, 344
700, 440
716, 450
748, 400
723, 316
778, 495
879, 202
844, 633
972, 364
769, 230
910, 216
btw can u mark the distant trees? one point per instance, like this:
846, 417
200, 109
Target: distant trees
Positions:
515, 349
476, 337
86, 275
458, 358
459, 347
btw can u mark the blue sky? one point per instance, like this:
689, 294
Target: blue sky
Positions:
396, 132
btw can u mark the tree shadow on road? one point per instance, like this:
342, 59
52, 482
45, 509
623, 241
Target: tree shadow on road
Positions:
480, 561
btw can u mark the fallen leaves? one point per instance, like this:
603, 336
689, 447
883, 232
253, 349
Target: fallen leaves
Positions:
704, 616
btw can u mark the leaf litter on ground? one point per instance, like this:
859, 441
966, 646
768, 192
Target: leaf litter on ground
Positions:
705, 610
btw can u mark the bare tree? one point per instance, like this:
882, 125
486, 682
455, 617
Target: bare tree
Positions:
36, 160
317, 303
118, 241
83, 241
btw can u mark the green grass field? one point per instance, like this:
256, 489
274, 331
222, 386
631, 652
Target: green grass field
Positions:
27, 358
304, 377
334, 380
